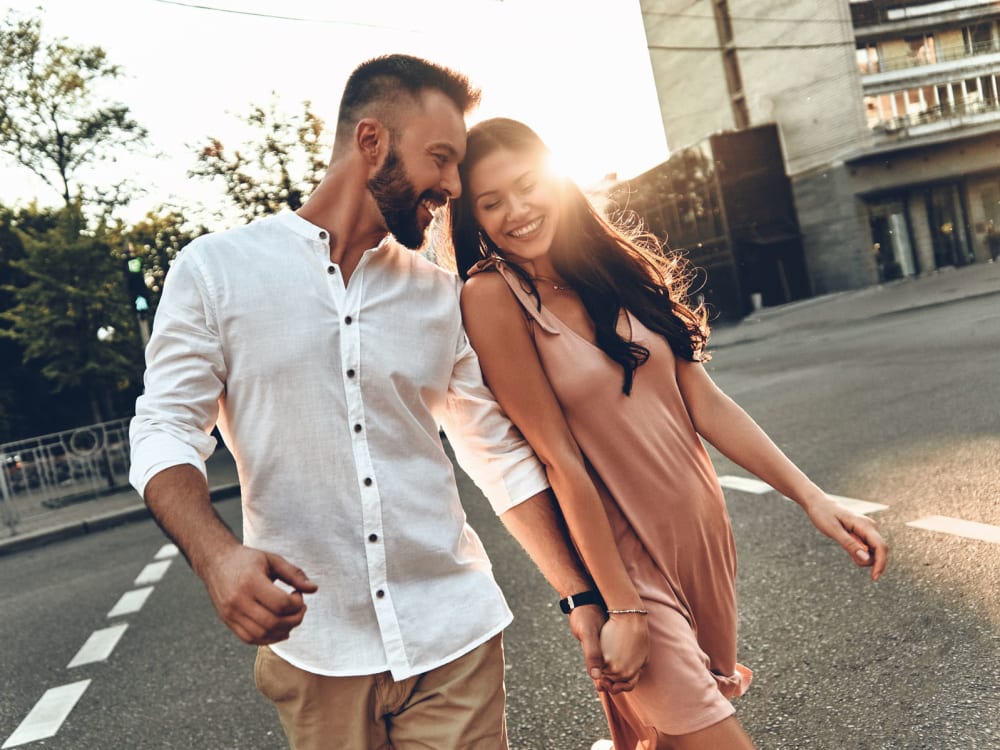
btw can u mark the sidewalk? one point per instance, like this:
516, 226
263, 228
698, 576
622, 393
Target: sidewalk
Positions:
97, 513
938, 288
935, 288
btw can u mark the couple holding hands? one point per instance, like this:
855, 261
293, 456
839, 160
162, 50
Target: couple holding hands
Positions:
564, 364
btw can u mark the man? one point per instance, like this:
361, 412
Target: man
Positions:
328, 354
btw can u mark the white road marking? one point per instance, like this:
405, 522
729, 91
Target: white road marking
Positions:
984, 532
130, 602
99, 646
757, 487
48, 714
152, 573
858, 506
167, 550
745, 484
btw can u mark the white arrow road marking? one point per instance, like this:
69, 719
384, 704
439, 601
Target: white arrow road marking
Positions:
152, 573
745, 484
130, 602
958, 527
167, 550
99, 646
48, 714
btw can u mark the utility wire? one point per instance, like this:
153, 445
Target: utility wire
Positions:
839, 21
751, 47
232, 11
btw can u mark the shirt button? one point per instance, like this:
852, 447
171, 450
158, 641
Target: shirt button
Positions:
373, 537
357, 428
350, 373
322, 235
380, 594
348, 320
331, 270
368, 481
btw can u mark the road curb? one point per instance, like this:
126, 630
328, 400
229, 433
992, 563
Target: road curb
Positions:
99, 522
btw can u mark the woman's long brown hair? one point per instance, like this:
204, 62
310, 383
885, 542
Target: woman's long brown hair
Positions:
608, 265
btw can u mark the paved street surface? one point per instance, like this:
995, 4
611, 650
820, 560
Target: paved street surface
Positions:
888, 397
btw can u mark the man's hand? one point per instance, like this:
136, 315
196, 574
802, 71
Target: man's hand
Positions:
585, 622
241, 584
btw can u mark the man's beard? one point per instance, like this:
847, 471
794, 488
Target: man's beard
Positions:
397, 199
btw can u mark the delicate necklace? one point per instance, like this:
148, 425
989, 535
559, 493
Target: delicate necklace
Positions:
555, 287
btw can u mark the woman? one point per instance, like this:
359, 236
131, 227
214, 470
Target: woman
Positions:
584, 337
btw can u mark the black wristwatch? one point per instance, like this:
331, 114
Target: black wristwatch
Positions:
570, 603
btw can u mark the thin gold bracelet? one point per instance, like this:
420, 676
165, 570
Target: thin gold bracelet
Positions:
627, 612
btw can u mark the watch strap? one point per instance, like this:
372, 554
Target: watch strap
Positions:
570, 603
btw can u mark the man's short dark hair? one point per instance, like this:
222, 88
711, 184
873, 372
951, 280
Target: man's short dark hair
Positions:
375, 88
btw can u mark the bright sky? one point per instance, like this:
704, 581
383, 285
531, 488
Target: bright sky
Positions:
577, 71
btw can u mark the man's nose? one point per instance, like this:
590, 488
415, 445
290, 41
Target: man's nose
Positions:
451, 183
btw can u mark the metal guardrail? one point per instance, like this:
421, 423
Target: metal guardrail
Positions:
940, 55
47, 472
957, 114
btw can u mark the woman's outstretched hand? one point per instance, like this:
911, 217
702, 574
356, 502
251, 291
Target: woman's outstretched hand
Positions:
857, 534
625, 644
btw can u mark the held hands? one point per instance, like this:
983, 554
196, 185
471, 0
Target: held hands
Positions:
616, 669
857, 534
625, 644
241, 584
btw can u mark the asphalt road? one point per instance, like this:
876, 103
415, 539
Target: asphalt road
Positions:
903, 410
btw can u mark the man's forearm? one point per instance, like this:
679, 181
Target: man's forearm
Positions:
540, 529
179, 500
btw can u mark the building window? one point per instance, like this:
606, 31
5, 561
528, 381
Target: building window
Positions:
979, 38
867, 57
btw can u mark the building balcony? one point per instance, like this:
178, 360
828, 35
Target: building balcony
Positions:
937, 120
875, 19
943, 59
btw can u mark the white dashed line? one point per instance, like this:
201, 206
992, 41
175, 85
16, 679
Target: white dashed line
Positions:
99, 646
167, 550
858, 506
130, 602
48, 714
757, 487
745, 484
152, 573
957, 527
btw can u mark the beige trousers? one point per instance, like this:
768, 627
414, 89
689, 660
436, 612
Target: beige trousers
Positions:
458, 706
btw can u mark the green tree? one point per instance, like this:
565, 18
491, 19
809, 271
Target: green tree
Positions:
70, 286
54, 119
277, 168
155, 241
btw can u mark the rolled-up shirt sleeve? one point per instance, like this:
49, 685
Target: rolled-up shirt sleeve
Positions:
486, 443
185, 375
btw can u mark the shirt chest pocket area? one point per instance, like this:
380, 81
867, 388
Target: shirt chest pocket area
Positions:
412, 354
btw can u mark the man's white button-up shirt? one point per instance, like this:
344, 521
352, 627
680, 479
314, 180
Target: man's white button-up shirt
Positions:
330, 398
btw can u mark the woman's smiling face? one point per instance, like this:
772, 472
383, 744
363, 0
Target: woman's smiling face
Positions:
515, 199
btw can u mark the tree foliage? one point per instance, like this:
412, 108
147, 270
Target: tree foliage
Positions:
156, 240
54, 120
277, 168
70, 285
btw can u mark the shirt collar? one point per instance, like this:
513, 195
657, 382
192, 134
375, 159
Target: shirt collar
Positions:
305, 228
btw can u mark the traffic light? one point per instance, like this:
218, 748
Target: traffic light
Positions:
138, 292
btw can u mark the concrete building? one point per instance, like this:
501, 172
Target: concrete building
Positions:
888, 113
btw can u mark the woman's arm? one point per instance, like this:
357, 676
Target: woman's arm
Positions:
498, 332
725, 425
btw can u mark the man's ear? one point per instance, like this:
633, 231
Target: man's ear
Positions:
371, 138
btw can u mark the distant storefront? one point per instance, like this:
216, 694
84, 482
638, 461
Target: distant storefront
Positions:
726, 204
